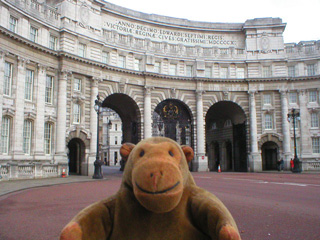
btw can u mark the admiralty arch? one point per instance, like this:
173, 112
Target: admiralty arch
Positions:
223, 88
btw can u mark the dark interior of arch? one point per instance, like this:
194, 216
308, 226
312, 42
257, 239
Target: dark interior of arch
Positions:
129, 113
232, 153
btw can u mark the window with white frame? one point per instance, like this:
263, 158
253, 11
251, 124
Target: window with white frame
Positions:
27, 136
224, 51
105, 57
53, 42
316, 145
208, 72
77, 84
122, 61
266, 71
293, 98
267, 99
291, 71
33, 34
116, 140
268, 121
5, 134
189, 71
157, 67
314, 120
7, 79
311, 69
240, 72
28, 90
82, 50
223, 72
76, 113
137, 64
48, 127
13, 23
313, 96
49, 89
173, 69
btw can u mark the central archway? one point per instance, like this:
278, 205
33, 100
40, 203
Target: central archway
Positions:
76, 155
226, 137
173, 119
129, 113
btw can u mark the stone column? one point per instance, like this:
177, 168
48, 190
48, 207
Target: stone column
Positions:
2, 60
19, 107
255, 162
61, 155
202, 159
147, 113
285, 129
305, 138
93, 125
39, 123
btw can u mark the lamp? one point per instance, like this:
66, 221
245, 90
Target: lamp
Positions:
97, 163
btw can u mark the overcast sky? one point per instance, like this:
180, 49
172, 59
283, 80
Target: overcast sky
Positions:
302, 16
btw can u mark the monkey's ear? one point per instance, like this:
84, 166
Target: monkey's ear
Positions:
188, 152
126, 149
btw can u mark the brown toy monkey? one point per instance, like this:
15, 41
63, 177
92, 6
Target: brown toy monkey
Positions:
158, 199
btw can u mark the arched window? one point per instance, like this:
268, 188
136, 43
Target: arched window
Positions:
5, 134
228, 123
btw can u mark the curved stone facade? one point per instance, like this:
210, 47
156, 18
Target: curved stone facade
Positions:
223, 88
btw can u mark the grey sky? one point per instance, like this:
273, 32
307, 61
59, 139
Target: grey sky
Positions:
302, 17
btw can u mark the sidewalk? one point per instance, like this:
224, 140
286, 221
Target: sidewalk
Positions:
18, 185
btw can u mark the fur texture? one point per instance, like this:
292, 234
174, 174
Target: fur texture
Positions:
158, 199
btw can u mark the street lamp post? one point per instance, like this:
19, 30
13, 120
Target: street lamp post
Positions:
97, 163
295, 116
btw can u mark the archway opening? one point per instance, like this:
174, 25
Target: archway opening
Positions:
129, 113
226, 127
269, 152
76, 155
172, 119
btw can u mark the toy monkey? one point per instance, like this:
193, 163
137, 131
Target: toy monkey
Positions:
158, 199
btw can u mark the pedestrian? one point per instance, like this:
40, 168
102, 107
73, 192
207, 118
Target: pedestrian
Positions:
278, 165
281, 164
291, 164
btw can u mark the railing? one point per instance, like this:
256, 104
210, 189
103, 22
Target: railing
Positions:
311, 166
12, 171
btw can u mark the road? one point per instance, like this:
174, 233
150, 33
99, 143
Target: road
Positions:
275, 206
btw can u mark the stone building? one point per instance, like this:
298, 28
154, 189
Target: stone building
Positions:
223, 88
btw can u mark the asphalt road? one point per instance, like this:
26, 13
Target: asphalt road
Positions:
275, 206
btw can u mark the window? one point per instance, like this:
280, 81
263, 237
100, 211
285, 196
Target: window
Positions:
49, 89
77, 85
33, 34
5, 134
105, 57
53, 42
208, 72
116, 140
224, 72
267, 99
311, 69
291, 71
268, 122
309, 49
13, 22
214, 126
266, 71
76, 113
116, 127
82, 50
316, 145
313, 96
293, 97
240, 72
137, 63
228, 123
189, 71
157, 67
289, 49
27, 133
47, 138
173, 69
28, 91
7, 79
122, 61
224, 51
314, 120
